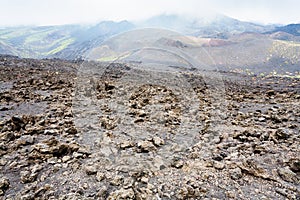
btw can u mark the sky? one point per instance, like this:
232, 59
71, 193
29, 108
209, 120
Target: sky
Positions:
55, 12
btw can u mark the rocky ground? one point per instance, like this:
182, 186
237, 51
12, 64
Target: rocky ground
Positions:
126, 133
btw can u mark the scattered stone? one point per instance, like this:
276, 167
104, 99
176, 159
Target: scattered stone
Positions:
236, 173
90, 169
287, 175
4, 185
100, 176
122, 194
66, 158
27, 176
144, 179
102, 193
51, 132
117, 180
282, 134
128, 182
231, 194
126, 144
71, 130
261, 119
77, 155
270, 92
158, 141
41, 143
177, 163
17, 119
295, 165
218, 165
145, 146
253, 167
25, 140
7, 136
109, 123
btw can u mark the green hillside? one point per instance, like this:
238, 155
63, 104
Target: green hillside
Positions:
36, 42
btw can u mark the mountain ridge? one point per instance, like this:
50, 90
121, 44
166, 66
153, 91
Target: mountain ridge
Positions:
73, 41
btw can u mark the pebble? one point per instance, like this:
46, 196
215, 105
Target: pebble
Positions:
27, 176
218, 165
51, 132
77, 155
282, 133
90, 169
122, 194
71, 130
270, 92
66, 158
158, 141
4, 185
177, 163
117, 180
126, 144
100, 176
294, 165
262, 119
102, 193
146, 146
25, 140
144, 179
287, 175
236, 173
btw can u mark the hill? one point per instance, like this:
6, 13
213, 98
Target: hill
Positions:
224, 37
68, 41
293, 29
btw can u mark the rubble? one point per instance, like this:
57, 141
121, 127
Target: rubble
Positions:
136, 145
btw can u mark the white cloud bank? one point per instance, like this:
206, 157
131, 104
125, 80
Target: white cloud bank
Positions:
50, 12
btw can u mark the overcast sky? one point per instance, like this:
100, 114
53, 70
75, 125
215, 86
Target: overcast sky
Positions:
52, 12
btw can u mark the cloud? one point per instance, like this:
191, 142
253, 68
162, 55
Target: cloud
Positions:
265, 11
18, 12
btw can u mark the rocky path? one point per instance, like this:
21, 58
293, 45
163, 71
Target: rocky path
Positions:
130, 134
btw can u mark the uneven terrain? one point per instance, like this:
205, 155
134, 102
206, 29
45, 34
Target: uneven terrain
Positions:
69, 134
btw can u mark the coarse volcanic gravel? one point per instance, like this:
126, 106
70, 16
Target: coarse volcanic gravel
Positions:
117, 135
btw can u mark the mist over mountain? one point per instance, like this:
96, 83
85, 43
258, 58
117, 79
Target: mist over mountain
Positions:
73, 41
212, 26
57, 41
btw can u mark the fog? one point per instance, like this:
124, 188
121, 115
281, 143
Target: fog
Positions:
54, 12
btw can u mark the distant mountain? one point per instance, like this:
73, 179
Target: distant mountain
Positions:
37, 42
224, 27
293, 29
74, 41
218, 26
67, 41
92, 36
